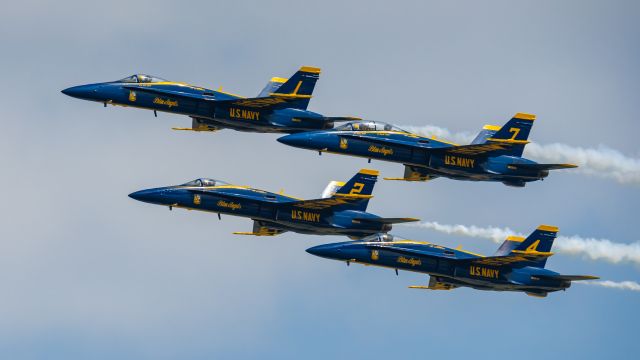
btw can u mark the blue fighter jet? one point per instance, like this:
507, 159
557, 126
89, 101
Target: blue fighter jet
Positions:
494, 155
281, 107
341, 210
518, 265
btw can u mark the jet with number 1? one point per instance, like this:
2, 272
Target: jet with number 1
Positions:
518, 265
281, 107
342, 210
494, 155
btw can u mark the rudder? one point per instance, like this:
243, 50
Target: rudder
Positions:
540, 241
515, 132
360, 185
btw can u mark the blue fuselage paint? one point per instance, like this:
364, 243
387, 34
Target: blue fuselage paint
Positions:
448, 265
271, 209
428, 157
211, 106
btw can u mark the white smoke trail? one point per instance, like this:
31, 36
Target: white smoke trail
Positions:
601, 161
595, 249
622, 285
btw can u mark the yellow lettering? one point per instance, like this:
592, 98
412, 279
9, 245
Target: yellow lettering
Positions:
459, 161
244, 114
484, 272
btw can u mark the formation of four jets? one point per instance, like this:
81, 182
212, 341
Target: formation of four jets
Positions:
281, 107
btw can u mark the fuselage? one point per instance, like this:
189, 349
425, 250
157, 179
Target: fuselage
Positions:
211, 109
452, 266
269, 209
427, 157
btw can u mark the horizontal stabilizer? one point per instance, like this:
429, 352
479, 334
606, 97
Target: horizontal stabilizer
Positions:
542, 166
568, 277
386, 220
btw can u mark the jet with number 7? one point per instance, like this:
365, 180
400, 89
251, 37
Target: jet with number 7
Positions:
494, 155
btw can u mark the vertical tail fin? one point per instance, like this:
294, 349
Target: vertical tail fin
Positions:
299, 86
360, 185
538, 243
515, 132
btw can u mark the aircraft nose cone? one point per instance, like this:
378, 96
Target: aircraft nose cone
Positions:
326, 251
150, 196
81, 92
298, 140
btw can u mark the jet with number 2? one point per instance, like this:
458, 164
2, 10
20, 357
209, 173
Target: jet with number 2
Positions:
340, 211
281, 107
494, 155
518, 265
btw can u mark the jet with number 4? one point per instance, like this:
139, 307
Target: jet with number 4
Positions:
518, 265
340, 211
281, 107
494, 155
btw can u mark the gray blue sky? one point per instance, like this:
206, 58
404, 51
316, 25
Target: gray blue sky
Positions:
87, 273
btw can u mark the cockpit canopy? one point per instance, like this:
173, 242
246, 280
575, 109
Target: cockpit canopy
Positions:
368, 126
141, 78
382, 238
203, 182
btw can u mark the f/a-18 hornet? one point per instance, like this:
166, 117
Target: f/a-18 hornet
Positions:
518, 265
494, 155
341, 210
281, 107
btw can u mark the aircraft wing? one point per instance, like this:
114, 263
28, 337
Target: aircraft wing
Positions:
335, 200
403, 250
260, 102
234, 195
388, 141
474, 149
172, 93
515, 256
